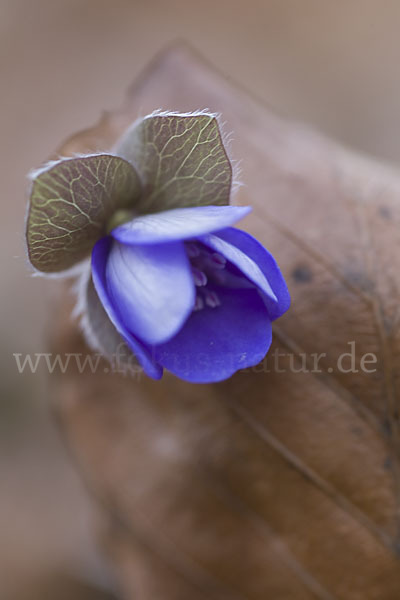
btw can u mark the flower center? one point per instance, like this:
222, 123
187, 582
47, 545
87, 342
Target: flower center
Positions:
207, 267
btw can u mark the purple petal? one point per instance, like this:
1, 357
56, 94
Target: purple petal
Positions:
100, 256
249, 246
152, 288
215, 342
238, 258
178, 224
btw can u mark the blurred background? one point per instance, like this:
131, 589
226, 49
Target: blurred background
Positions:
334, 65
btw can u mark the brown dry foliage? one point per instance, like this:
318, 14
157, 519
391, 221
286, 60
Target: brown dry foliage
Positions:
271, 485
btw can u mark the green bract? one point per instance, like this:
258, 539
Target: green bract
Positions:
162, 162
181, 160
70, 205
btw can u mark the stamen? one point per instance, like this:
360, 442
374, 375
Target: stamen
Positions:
198, 304
218, 261
206, 266
199, 278
193, 251
211, 299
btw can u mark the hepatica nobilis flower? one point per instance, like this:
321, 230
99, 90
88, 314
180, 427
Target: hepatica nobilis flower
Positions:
170, 278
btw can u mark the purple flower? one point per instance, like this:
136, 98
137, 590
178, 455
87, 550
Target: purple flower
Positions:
171, 282
190, 293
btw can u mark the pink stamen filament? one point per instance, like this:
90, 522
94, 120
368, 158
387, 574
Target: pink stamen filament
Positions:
198, 304
218, 260
206, 266
211, 299
199, 277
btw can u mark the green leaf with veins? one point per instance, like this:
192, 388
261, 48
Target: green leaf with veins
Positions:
70, 205
181, 160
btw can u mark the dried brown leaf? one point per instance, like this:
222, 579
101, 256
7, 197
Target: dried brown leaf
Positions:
272, 485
